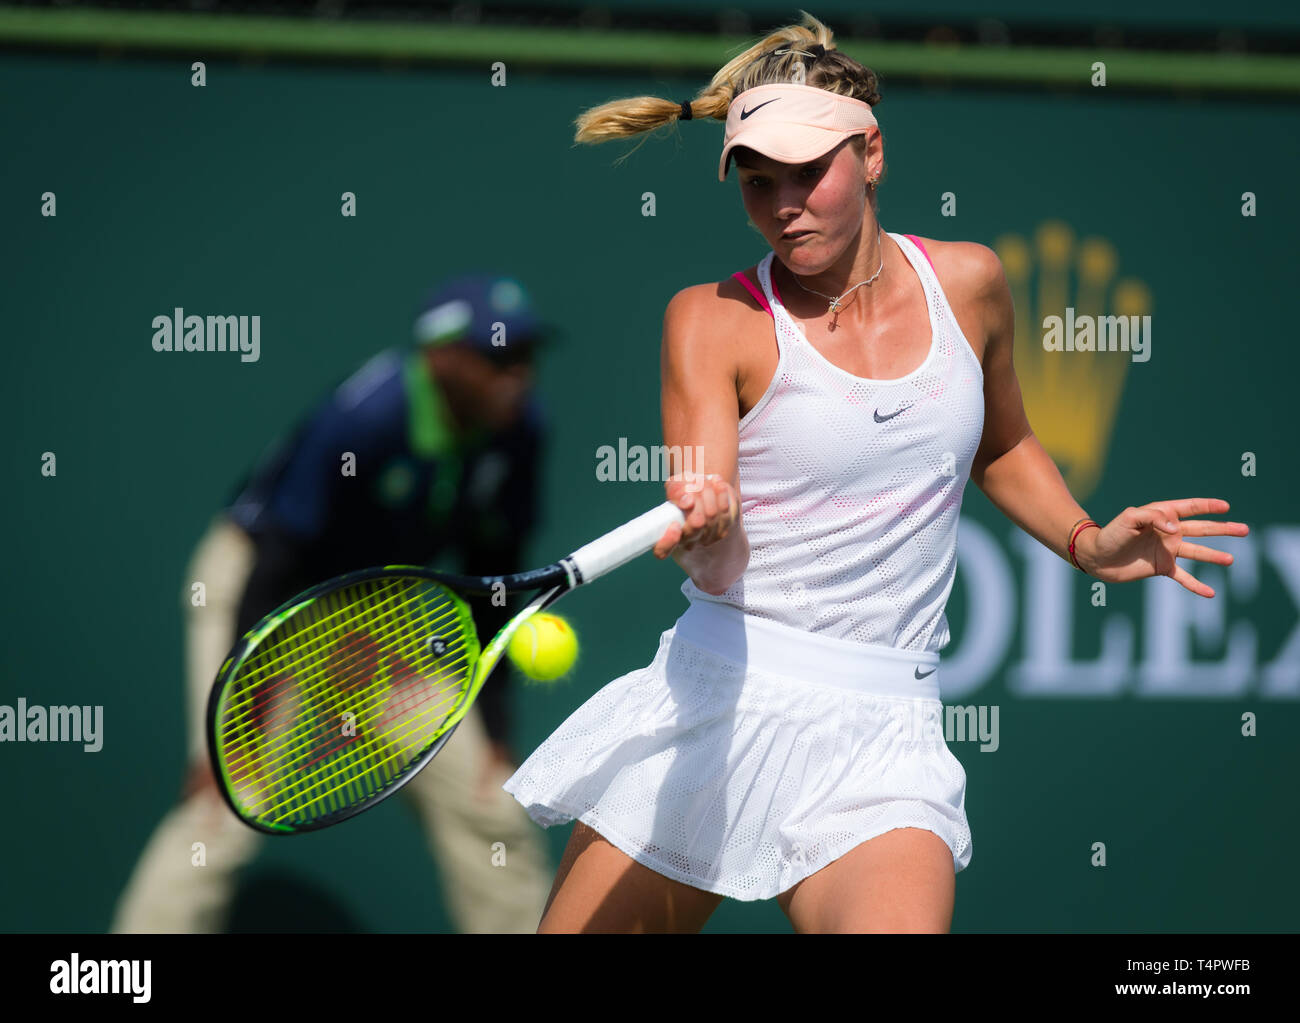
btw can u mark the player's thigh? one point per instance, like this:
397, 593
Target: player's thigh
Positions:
601, 890
901, 881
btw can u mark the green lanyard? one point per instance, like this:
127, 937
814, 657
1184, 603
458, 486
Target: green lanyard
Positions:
431, 434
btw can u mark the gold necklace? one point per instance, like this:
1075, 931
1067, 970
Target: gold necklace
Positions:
837, 301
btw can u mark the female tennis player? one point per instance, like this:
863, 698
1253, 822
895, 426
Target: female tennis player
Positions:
786, 741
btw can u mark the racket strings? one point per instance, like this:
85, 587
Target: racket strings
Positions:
334, 701
407, 733
351, 779
282, 729
344, 672
396, 738
328, 685
294, 647
298, 649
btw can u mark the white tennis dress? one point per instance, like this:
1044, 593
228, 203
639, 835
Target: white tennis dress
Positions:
797, 715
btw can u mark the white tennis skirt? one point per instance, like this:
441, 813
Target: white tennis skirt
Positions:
749, 755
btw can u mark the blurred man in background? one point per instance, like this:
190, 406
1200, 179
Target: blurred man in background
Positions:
425, 453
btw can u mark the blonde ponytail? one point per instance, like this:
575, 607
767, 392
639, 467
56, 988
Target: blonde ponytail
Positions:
782, 56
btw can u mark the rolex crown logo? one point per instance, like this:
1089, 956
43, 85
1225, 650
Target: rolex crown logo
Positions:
1071, 396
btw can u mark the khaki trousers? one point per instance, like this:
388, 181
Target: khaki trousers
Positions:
492, 859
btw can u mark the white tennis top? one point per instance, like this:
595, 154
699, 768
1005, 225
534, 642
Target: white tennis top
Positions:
851, 487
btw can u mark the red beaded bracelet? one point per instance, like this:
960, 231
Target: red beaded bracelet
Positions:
1074, 536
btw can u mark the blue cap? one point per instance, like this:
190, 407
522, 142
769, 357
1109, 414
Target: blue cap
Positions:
489, 311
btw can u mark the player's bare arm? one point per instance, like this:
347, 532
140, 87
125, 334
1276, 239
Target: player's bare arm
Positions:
1020, 478
699, 410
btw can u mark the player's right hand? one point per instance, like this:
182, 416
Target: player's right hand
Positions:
711, 506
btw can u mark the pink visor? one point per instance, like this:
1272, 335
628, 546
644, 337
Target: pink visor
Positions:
791, 123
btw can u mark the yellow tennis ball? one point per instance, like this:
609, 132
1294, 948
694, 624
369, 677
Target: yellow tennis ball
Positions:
544, 648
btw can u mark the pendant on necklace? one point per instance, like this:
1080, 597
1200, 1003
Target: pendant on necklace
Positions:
835, 306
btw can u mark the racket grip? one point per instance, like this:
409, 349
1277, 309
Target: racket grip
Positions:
621, 545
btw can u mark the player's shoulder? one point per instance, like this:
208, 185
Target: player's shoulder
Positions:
965, 267
707, 324
715, 303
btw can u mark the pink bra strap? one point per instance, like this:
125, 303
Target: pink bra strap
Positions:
917, 242
776, 292
740, 276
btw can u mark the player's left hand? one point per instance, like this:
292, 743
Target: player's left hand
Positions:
1146, 541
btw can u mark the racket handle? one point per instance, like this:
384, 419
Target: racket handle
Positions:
629, 540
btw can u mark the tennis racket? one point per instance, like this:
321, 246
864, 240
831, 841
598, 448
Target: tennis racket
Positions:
336, 699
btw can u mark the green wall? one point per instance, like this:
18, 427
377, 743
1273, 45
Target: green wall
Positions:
226, 199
